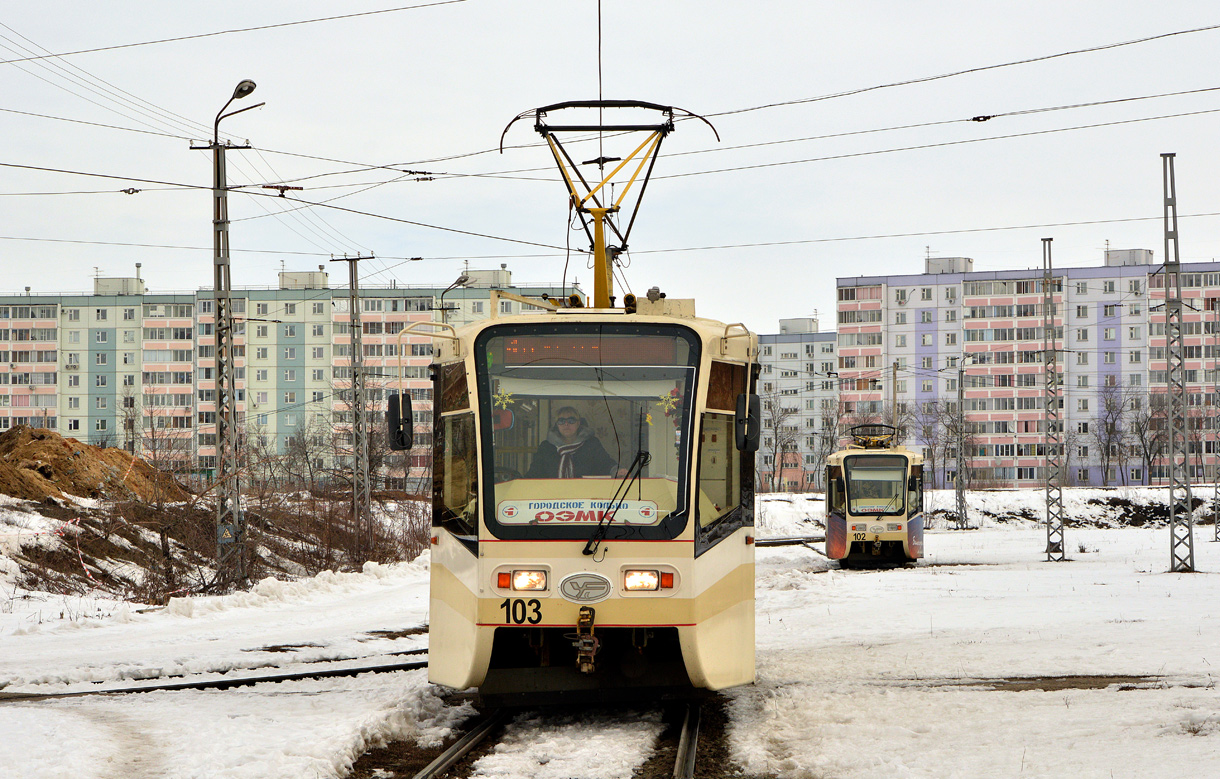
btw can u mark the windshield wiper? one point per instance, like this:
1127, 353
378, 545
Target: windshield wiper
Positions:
642, 458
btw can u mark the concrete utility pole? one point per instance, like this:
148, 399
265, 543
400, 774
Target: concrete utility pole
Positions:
1051, 419
1216, 419
1181, 506
959, 479
894, 396
361, 524
230, 526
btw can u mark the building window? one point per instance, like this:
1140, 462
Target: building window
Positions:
950, 339
925, 339
1082, 474
99, 314
318, 308
260, 353
73, 314
290, 331
319, 330
260, 331
1133, 333
99, 402
290, 308
1108, 358
99, 358
925, 293
900, 317
290, 397
290, 352
1082, 288
1082, 335
1107, 286
900, 341
290, 374
925, 317
101, 337
319, 352
1109, 333
319, 375
1082, 312
260, 375
1135, 356
1082, 358
100, 425
1082, 404
261, 309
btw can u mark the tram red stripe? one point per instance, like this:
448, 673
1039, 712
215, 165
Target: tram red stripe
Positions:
598, 625
582, 541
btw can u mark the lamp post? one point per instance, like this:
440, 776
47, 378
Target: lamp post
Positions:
461, 281
230, 529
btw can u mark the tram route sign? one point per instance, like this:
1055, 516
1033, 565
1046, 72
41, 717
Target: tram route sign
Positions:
574, 511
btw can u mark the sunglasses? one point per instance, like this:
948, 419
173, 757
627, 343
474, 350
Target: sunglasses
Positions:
567, 420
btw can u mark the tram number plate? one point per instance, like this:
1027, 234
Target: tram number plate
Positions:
858, 536
519, 612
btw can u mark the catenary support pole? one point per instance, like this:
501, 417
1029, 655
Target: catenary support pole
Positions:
1181, 526
362, 529
1052, 418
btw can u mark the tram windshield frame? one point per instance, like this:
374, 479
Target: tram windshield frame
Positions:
876, 484
631, 389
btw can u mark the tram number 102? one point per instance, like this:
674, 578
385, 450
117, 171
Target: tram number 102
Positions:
519, 612
859, 536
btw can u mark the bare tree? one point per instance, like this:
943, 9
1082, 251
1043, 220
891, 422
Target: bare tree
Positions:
779, 435
1149, 429
1107, 429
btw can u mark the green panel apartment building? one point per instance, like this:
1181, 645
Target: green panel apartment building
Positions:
126, 367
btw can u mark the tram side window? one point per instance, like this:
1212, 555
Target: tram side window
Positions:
719, 470
915, 490
837, 498
455, 475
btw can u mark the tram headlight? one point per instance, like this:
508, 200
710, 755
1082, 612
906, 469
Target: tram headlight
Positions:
529, 580
641, 580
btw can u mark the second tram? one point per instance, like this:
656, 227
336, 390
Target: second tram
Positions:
874, 500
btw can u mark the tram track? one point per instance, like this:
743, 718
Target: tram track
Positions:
229, 683
691, 744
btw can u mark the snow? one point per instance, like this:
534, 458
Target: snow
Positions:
982, 661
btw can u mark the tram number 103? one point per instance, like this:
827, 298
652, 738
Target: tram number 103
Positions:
520, 612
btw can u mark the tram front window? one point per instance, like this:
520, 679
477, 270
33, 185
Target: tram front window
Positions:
876, 484
570, 412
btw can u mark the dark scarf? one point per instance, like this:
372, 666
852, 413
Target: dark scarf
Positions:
566, 469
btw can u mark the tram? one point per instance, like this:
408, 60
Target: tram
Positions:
874, 500
593, 498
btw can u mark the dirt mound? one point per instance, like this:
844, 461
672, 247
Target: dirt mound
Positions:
36, 464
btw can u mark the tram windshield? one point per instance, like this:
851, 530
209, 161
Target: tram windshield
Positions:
571, 412
876, 484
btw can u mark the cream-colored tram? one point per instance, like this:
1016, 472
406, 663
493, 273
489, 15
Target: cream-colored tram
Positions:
874, 500
593, 499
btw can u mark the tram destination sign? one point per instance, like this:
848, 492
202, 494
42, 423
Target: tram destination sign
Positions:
572, 511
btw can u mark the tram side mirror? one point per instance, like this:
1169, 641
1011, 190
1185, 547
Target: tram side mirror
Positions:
401, 433
749, 422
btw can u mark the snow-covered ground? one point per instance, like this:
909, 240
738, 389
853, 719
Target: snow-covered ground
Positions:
913, 672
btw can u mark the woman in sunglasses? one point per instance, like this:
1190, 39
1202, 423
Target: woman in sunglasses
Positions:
571, 451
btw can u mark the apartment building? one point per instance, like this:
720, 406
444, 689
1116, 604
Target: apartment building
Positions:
905, 341
799, 393
126, 367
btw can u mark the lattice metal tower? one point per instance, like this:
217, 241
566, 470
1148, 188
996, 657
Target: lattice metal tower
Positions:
361, 525
1181, 525
1052, 419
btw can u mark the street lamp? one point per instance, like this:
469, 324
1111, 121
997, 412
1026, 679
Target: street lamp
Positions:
461, 281
230, 529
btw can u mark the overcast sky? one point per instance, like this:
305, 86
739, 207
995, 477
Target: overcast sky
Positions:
431, 88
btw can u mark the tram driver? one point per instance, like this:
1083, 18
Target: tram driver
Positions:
571, 451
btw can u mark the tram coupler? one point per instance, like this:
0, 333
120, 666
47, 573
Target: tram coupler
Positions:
586, 643
877, 546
